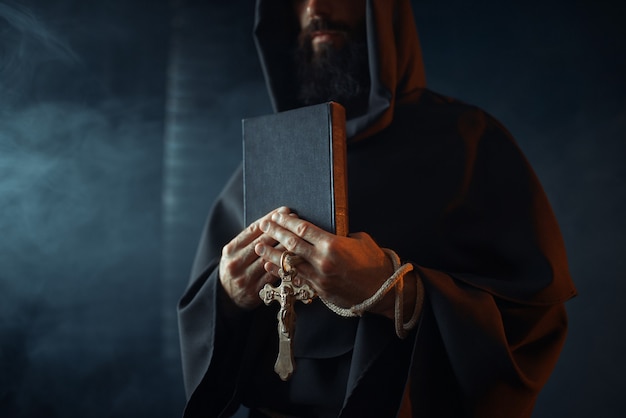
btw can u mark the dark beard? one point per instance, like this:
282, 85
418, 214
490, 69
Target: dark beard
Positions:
334, 75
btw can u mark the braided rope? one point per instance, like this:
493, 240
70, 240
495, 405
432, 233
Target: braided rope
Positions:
395, 281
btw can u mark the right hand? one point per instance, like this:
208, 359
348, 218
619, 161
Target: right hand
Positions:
242, 274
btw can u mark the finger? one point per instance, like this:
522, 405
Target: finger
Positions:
240, 265
305, 230
239, 258
273, 260
266, 278
300, 277
242, 246
271, 268
291, 241
253, 280
253, 231
256, 271
274, 254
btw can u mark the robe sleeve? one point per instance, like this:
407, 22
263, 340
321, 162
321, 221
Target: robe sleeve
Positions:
495, 320
206, 332
499, 353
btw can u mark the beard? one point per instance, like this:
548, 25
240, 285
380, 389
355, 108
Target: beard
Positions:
333, 74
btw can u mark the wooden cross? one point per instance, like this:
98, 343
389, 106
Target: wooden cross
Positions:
286, 294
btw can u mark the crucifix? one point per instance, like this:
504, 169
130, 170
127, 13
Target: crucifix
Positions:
286, 294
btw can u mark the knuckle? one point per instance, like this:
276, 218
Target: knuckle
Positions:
326, 247
238, 283
326, 266
302, 228
228, 266
228, 249
291, 243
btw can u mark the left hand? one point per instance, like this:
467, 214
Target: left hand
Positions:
342, 270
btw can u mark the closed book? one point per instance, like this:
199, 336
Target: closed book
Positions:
297, 159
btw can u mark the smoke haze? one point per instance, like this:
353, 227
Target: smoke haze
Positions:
80, 174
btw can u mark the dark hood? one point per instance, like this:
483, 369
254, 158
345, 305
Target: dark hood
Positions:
395, 59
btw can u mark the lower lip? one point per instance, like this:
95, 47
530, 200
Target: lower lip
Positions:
326, 38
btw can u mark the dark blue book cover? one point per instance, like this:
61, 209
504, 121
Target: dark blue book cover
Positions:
297, 159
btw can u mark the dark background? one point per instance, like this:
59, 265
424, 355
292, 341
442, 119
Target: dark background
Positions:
120, 122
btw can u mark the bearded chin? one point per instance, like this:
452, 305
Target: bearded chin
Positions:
339, 75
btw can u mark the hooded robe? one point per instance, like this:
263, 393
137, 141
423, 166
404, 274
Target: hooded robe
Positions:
444, 185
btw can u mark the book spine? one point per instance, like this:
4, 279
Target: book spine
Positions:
340, 168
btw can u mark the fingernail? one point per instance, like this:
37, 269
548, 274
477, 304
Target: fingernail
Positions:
265, 226
259, 249
275, 217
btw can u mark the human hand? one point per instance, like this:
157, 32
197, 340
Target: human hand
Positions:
342, 270
241, 271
